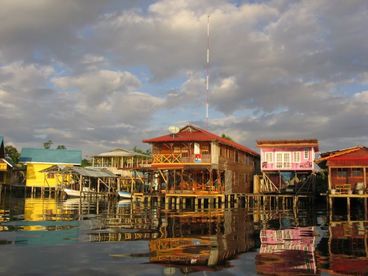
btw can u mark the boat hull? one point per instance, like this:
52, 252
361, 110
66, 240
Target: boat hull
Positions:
125, 194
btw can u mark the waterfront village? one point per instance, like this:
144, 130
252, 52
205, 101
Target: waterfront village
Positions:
192, 167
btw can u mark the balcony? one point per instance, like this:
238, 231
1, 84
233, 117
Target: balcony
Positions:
173, 158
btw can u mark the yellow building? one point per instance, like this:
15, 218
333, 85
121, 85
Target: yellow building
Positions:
37, 160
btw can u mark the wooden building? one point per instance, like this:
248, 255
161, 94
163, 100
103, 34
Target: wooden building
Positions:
118, 160
128, 165
287, 165
347, 170
37, 160
193, 162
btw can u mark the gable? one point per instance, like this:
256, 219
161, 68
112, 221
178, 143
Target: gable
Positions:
350, 158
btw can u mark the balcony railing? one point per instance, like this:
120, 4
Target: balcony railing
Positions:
173, 158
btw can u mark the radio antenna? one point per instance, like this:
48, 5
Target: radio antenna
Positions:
207, 67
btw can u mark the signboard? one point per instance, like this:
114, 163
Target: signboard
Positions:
198, 158
197, 149
3, 167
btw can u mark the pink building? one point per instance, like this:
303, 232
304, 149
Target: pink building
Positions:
286, 164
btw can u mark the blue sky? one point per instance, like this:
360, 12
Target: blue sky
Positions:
107, 74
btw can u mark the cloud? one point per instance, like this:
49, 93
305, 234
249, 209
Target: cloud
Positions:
99, 74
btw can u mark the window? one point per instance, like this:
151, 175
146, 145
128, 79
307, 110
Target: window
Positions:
286, 163
269, 157
296, 156
357, 172
278, 160
205, 149
342, 173
283, 160
306, 153
50, 175
185, 152
176, 149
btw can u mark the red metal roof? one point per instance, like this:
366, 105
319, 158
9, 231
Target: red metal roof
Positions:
191, 133
356, 156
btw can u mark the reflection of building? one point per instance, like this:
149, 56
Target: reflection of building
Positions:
40, 159
202, 238
194, 161
128, 223
287, 251
287, 165
348, 248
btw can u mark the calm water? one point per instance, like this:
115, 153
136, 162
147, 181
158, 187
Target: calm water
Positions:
46, 236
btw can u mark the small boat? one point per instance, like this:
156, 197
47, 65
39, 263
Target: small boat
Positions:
75, 193
124, 194
124, 203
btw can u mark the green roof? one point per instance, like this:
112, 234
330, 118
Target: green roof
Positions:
62, 156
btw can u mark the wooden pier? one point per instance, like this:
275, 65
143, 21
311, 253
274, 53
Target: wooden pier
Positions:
244, 200
362, 198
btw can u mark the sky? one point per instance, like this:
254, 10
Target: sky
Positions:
96, 75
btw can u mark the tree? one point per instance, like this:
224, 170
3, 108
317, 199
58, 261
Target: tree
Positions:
138, 150
60, 147
86, 163
13, 153
47, 145
223, 135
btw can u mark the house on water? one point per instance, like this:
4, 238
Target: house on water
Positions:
128, 165
37, 160
193, 162
347, 170
287, 166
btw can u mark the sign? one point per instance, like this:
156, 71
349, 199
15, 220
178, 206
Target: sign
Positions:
197, 149
198, 158
3, 167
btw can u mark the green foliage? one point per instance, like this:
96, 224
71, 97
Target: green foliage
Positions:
13, 153
223, 135
60, 147
86, 163
138, 150
47, 145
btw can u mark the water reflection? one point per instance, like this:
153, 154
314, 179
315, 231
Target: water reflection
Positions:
288, 242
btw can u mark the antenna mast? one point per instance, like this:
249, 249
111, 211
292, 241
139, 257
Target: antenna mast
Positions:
207, 66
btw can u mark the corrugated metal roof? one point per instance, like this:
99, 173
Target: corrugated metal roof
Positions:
119, 153
58, 156
91, 172
191, 133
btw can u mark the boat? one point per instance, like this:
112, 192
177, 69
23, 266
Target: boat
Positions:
124, 203
124, 194
75, 193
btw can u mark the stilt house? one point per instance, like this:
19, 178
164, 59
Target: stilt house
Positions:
128, 165
347, 170
195, 161
38, 160
287, 165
